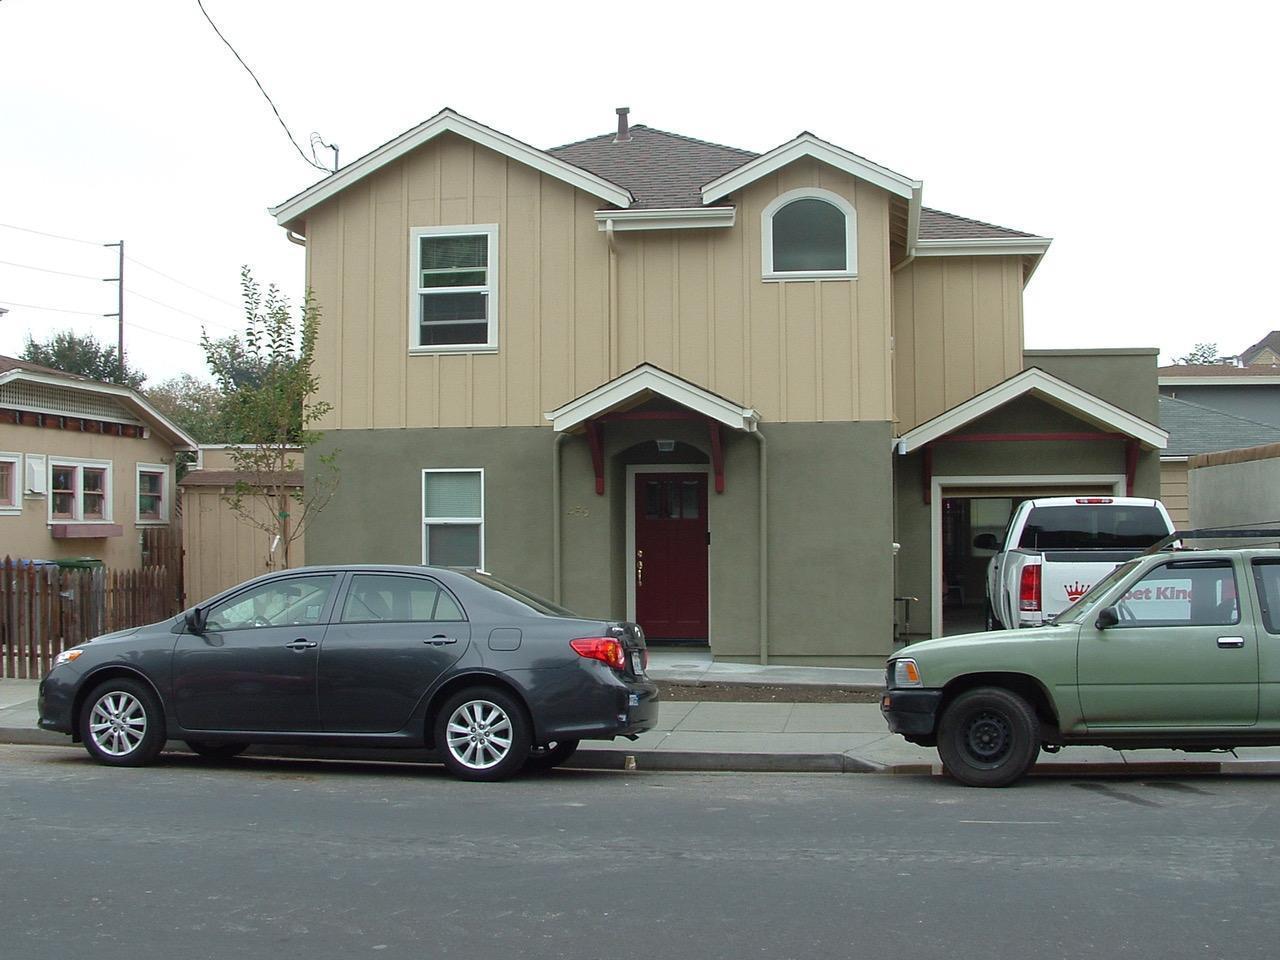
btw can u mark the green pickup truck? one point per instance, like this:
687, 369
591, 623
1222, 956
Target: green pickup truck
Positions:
1177, 649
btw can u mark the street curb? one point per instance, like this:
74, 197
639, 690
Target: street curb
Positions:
810, 685
695, 761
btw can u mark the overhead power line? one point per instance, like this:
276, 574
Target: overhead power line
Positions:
170, 306
61, 273
55, 236
36, 306
288, 132
183, 283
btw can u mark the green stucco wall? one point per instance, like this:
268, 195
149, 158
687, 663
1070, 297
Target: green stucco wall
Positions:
1124, 377
830, 523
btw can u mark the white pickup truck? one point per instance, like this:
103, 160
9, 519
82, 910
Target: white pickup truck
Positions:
1056, 548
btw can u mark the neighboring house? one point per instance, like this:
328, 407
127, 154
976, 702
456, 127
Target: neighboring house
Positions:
743, 399
220, 547
1264, 353
1249, 392
1196, 429
84, 466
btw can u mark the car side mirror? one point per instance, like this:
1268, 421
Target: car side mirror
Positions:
195, 621
986, 541
1107, 617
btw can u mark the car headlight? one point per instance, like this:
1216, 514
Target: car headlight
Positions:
906, 673
68, 656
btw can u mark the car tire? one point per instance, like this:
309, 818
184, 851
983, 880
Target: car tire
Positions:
550, 755
483, 733
216, 751
122, 723
988, 737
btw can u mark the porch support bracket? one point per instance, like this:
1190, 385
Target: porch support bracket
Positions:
717, 454
596, 442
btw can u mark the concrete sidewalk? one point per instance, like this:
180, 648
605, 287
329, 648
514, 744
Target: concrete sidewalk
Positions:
782, 737
694, 665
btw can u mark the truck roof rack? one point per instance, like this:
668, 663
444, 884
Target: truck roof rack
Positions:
1217, 533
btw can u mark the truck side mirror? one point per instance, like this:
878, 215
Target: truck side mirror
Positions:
986, 541
1107, 617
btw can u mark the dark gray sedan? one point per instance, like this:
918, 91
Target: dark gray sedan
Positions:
490, 677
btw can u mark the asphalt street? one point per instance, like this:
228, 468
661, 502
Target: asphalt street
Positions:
296, 858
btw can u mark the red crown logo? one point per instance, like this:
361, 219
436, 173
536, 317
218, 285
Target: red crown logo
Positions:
1076, 590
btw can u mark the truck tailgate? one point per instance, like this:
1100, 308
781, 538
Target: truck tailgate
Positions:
1066, 575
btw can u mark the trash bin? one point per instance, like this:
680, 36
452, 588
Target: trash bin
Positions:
79, 563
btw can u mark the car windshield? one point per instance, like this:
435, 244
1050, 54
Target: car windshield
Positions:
1093, 527
1073, 613
520, 595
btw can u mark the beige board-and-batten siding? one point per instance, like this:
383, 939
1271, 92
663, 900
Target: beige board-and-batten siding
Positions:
690, 301
220, 548
957, 331
1174, 493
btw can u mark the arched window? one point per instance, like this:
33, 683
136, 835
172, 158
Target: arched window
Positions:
810, 234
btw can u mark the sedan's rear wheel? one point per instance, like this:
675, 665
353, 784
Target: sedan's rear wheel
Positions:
546, 756
217, 751
483, 733
122, 723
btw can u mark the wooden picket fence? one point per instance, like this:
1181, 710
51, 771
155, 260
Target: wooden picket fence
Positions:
44, 609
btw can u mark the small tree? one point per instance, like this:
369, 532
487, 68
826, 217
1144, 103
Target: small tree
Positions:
1202, 353
270, 414
83, 354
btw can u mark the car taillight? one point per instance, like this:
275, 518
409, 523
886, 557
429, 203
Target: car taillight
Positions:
605, 649
1029, 589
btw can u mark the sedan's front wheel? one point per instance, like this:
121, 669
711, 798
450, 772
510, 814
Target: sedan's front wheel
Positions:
122, 723
483, 733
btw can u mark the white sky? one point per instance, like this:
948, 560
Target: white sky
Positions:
1142, 137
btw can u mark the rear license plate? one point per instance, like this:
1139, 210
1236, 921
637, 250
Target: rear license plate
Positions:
637, 663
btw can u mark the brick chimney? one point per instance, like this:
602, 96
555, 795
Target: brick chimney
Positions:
624, 130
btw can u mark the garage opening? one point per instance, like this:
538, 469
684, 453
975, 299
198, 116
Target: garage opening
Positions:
967, 513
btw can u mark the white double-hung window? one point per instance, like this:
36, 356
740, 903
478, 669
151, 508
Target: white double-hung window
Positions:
454, 288
453, 518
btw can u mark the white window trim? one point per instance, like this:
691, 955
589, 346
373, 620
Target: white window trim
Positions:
491, 288
165, 485
108, 506
450, 521
17, 480
850, 271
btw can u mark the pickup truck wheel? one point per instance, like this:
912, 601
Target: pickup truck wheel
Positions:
988, 737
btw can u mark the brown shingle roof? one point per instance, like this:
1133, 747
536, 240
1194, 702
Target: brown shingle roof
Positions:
936, 225
660, 169
663, 169
13, 363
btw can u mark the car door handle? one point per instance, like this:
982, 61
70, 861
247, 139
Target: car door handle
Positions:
1230, 642
440, 640
301, 644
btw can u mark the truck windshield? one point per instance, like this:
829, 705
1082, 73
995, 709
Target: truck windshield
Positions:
1093, 527
1077, 609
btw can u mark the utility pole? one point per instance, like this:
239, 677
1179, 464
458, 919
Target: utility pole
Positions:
119, 314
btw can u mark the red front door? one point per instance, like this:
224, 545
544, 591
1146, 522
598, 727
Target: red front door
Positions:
670, 565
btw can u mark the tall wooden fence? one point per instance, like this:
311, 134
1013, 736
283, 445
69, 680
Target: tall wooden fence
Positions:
44, 609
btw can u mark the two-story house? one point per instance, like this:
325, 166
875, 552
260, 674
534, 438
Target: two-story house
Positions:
743, 399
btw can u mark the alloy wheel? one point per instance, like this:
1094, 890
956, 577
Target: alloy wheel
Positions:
118, 723
479, 734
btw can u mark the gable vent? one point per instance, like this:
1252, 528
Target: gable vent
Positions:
44, 398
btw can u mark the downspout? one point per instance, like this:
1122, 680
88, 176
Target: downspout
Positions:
555, 517
613, 299
297, 238
763, 589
